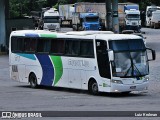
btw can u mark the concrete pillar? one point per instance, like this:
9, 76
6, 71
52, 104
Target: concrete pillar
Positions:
2, 23
115, 21
108, 15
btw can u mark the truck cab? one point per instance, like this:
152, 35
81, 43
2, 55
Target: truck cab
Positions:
155, 19
51, 20
91, 21
86, 21
132, 19
149, 11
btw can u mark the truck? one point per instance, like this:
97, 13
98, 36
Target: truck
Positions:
50, 19
79, 20
149, 11
129, 14
155, 19
87, 7
66, 12
47, 19
85, 21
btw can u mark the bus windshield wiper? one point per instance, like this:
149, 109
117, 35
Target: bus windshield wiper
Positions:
137, 70
132, 71
127, 71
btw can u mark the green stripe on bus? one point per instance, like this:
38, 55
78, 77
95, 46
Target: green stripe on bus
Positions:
58, 66
49, 35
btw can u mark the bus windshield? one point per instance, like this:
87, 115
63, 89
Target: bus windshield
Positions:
130, 58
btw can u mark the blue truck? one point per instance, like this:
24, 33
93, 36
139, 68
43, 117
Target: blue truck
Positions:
86, 21
79, 19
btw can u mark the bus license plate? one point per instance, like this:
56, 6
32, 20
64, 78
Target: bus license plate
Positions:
133, 87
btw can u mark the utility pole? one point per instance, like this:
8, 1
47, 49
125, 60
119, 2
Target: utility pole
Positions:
108, 15
115, 21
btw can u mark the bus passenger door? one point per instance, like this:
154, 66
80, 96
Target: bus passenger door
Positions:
102, 59
75, 78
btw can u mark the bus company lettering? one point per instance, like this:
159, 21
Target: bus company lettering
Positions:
79, 63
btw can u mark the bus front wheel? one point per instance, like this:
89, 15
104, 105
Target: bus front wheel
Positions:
33, 80
93, 87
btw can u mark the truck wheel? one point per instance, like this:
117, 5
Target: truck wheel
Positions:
155, 26
151, 25
74, 27
93, 87
33, 80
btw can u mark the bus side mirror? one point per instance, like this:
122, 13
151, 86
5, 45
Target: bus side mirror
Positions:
111, 55
153, 52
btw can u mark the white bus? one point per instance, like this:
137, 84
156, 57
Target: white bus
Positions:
98, 61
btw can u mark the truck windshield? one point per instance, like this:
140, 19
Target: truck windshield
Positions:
130, 58
92, 19
51, 19
153, 9
150, 10
133, 16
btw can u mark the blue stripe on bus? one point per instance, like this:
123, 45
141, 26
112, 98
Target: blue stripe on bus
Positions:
48, 70
29, 56
31, 35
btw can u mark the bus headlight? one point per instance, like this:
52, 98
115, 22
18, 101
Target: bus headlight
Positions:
117, 81
146, 79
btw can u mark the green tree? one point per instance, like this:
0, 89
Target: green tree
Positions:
20, 8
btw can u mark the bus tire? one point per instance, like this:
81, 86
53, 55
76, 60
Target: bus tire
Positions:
93, 87
33, 80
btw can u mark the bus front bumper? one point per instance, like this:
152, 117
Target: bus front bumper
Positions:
117, 88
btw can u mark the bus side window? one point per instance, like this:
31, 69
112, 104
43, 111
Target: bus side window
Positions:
16, 44
43, 45
86, 49
72, 47
68, 47
75, 48
57, 46
26, 44
29, 45
32, 45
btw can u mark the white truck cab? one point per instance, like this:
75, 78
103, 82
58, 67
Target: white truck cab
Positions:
149, 11
132, 17
155, 19
51, 19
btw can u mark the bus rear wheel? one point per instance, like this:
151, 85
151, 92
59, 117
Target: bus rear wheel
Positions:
93, 87
33, 80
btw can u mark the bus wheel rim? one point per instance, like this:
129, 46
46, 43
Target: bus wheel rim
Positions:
94, 87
